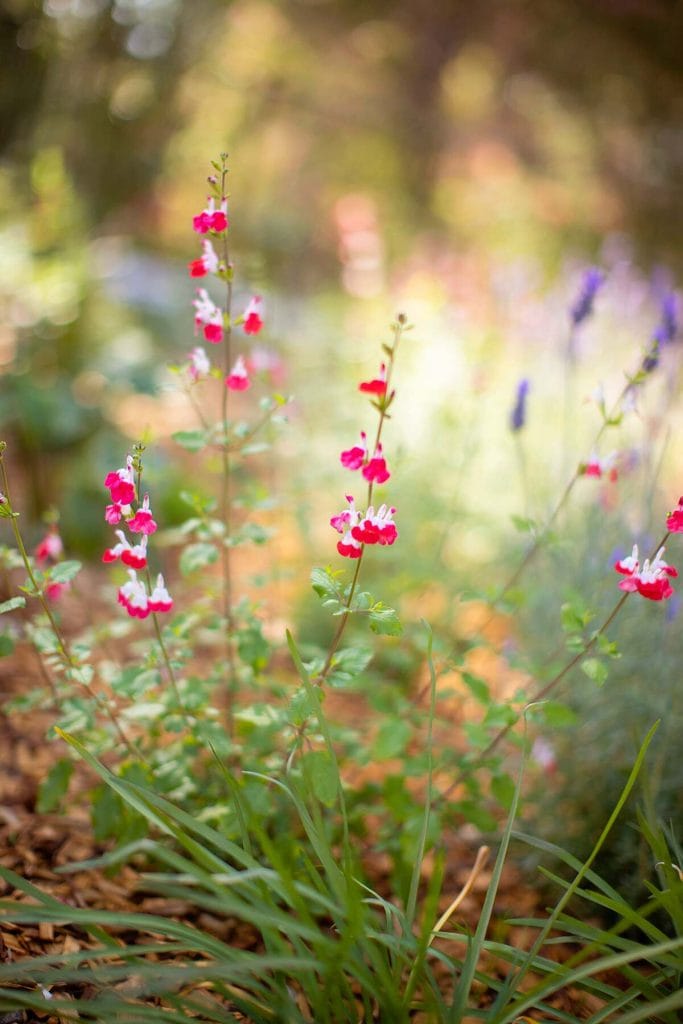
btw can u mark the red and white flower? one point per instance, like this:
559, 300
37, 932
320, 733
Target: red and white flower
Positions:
376, 386
133, 597
238, 378
208, 316
674, 522
376, 527
627, 566
143, 520
652, 581
344, 523
252, 319
354, 458
160, 600
134, 556
375, 471
207, 263
199, 364
359, 528
121, 484
597, 467
212, 219
50, 548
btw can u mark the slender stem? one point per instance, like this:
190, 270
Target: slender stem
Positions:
226, 496
336, 639
167, 661
550, 686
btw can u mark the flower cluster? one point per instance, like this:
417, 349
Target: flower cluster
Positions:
359, 528
651, 580
133, 594
212, 320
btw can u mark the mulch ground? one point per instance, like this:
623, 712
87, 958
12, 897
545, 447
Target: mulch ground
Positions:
36, 845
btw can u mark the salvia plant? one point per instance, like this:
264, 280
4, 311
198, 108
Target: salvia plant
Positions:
232, 781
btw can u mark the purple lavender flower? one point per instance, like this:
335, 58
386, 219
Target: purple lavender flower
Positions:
667, 328
593, 279
518, 414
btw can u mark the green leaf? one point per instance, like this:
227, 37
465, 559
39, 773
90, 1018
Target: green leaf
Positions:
391, 739
348, 663
503, 789
197, 556
476, 815
555, 713
253, 647
191, 440
477, 687
325, 582
595, 670
14, 602
385, 621
6, 645
52, 789
301, 707
322, 774
65, 571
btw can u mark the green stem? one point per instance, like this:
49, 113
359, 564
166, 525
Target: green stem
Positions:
226, 497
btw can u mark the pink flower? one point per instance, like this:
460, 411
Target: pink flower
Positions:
252, 319
376, 472
354, 458
54, 590
543, 754
160, 600
652, 581
211, 219
600, 467
207, 263
133, 597
142, 521
238, 380
376, 386
114, 512
50, 548
199, 364
209, 316
134, 556
674, 522
121, 483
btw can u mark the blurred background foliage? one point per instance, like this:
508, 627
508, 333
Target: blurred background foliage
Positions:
462, 162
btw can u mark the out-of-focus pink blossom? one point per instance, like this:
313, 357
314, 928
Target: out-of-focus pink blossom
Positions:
143, 520
50, 548
674, 522
207, 263
208, 316
134, 556
376, 472
199, 364
160, 600
238, 378
376, 386
121, 483
212, 219
253, 319
652, 581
